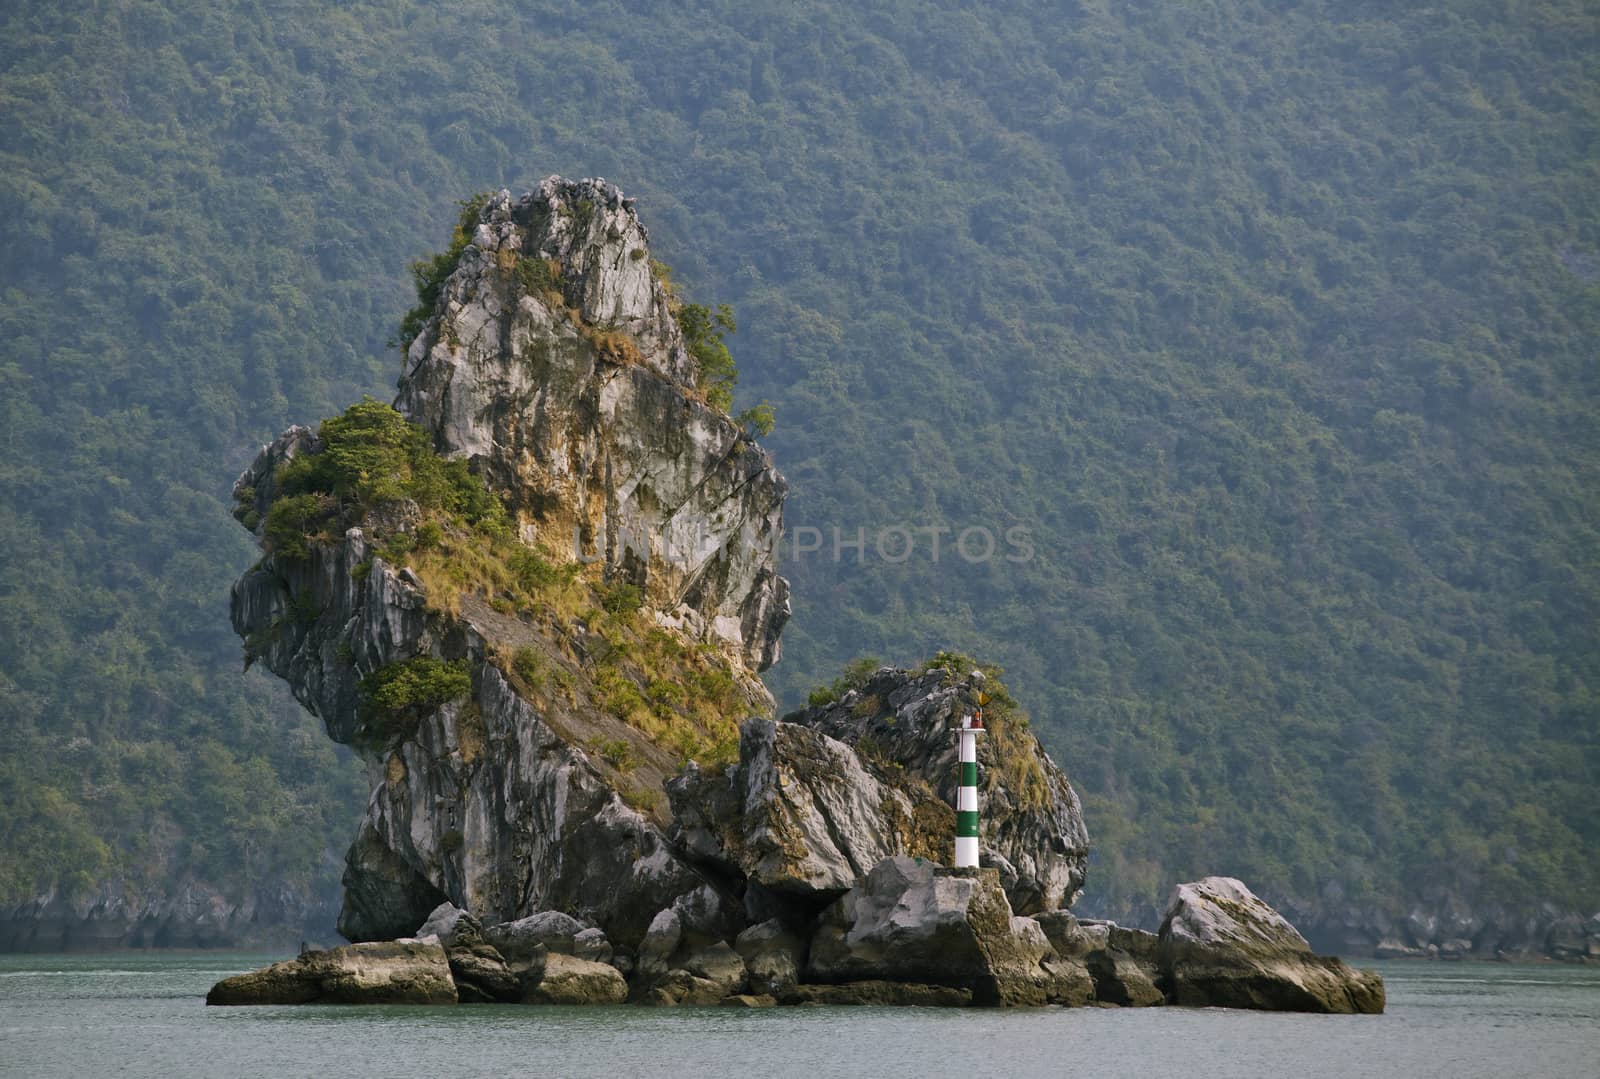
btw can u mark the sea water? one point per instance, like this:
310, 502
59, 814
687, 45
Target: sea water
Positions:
143, 1014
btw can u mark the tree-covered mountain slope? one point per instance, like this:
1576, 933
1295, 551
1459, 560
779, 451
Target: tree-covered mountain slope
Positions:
1272, 328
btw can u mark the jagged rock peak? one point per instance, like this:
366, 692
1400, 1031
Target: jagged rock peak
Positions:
822, 796
490, 680
554, 362
597, 262
900, 722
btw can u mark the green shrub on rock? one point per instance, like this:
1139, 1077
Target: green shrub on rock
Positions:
398, 694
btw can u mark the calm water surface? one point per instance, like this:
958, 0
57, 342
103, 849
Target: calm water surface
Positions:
143, 1015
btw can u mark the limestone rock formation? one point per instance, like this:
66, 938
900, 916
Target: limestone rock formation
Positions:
773, 956
380, 972
817, 800
1033, 831
554, 365
1110, 964
479, 971
548, 929
566, 979
530, 595
486, 804
1220, 945
799, 814
592, 425
911, 921
451, 926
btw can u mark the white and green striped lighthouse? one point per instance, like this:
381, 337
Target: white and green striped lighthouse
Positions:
967, 792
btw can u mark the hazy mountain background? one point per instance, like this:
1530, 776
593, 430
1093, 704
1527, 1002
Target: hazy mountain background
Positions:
1274, 325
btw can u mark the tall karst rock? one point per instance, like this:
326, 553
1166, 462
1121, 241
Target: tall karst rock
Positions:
537, 592
556, 366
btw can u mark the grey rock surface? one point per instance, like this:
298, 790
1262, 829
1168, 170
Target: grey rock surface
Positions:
1102, 962
698, 925
578, 401
911, 921
1032, 821
661, 942
1220, 945
566, 979
720, 964
482, 975
592, 944
773, 956
799, 813
548, 929
593, 427
452, 926
383, 972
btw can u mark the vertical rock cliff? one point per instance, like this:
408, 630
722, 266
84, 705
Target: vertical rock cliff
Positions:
535, 596
554, 367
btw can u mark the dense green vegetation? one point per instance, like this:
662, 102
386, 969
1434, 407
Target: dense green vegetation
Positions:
371, 467
1273, 326
369, 455
396, 696
429, 274
704, 332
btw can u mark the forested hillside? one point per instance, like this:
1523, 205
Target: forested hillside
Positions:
1273, 326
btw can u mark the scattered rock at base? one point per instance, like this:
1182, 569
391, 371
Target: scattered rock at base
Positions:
482, 976
773, 956
681, 988
705, 976
747, 1000
480, 972
380, 972
548, 929
452, 925
911, 921
566, 979
660, 943
1221, 946
1119, 963
697, 920
721, 965
591, 944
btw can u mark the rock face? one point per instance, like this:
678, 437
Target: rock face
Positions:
1033, 831
773, 956
592, 426
569, 980
911, 921
381, 972
1107, 963
549, 929
515, 824
1222, 946
799, 814
553, 363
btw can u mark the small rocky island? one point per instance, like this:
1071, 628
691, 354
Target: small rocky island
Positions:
535, 596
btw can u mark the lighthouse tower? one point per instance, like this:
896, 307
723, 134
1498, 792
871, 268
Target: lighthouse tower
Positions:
967, 792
